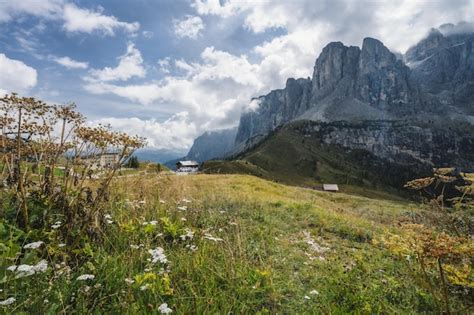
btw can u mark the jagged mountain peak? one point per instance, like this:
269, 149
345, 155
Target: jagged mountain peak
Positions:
374, 52
372, 83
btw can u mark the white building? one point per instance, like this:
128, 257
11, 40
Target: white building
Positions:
187, 167
109, 159
331, 187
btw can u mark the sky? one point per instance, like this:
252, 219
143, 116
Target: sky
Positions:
169, 70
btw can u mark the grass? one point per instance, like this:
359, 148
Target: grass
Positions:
296, 155
278, 249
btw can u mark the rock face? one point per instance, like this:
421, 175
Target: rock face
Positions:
398, 142
352, 84
443, 66
212, 144
276, 108
371, 83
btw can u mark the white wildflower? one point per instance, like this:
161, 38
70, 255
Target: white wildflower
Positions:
85, 277
129, 281
182, 208
108, 216
61, 245
307, 297
192, 248
212, 238
220, 230
188, 235
153, 222
144, 287
33, 245
28, 270
314, 246
186, 200
184, 219
314, 292
109, 221
164, 309
8, 301
158, 255
56, 225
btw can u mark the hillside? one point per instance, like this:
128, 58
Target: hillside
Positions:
297, 154
241, 245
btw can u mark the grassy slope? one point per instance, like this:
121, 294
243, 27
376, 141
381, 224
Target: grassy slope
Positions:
264, 262
288, 157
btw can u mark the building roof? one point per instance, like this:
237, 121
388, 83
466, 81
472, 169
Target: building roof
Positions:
188, 163
330, 187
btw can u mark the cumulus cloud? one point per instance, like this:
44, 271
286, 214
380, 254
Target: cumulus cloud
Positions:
212, 92
70, 63
15, 76
45, 8
74, 18
190, 26
130, 65
175, 133
83, 20
398, 24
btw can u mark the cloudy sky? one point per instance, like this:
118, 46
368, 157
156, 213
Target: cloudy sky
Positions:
171, 69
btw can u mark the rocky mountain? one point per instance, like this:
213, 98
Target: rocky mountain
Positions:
372, 83
378, 154
443, 65
209, 145
212, 144
156, 155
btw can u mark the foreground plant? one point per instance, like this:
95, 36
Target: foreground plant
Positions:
53, 188
444, 254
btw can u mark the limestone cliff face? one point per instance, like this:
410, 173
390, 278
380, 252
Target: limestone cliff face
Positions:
443, 66
348, 83
212, 144
276, 108
398, 142
432, 83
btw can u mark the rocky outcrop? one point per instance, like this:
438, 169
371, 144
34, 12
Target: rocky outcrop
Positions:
398, 142
348, 83
212, 144
443, 66
432, 83
274, 109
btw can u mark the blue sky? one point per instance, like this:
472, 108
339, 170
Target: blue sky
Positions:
170, 70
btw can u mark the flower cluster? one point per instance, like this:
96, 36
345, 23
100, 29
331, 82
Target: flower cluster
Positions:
157, 255
29, 270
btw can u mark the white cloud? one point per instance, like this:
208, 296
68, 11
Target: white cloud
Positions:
44, 8
190, 26
164, 65
148, 34
344, 20
82, 20
175, 133
214, 7
71, 63
74, 18
130, 65
211, 92
15, 76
